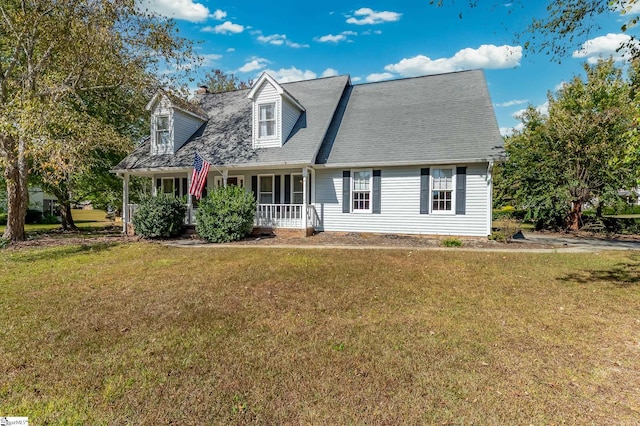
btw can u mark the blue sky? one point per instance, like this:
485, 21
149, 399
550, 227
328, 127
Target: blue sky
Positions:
378, 40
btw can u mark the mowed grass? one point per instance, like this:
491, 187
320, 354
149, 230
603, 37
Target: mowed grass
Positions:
85, 220
148, 334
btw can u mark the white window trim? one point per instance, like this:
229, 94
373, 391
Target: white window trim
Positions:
293, 175
451, 212
273, 192
219, 181
275, 120
158, 140
351, 198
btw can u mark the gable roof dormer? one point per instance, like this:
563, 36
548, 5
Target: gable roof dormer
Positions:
173, 121
274, 113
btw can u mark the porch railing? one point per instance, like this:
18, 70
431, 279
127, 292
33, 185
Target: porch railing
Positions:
272, 215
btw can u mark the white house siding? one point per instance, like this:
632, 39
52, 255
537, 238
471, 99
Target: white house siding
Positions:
184, 125
400, 205
267, 94
290, 116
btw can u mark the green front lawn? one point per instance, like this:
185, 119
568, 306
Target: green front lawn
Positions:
86, 220
148, 334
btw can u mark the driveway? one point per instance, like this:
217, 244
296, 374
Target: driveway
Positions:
580, 243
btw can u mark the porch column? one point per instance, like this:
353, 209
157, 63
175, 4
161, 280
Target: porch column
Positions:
189, 203
125, 202
225, 175
305, 174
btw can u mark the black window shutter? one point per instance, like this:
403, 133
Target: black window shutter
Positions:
204, 188
276, 196
158, 186
346, 191
424, 191
184, 186
176, 187
287, 189
376, 203
254, 186
461, 190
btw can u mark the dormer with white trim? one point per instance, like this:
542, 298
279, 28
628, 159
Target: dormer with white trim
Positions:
275, 113
173, 121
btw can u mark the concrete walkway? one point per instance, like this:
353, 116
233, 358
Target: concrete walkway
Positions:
557, 244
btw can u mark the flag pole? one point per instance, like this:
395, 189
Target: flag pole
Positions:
210, 162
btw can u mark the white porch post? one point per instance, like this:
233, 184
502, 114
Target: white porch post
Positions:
305, 174
225, 175
125, 202
189, 203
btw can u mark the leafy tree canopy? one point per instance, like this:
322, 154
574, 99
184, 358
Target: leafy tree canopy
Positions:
218, 81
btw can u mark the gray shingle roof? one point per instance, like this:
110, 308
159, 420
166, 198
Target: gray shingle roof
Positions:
225, 140
422, 120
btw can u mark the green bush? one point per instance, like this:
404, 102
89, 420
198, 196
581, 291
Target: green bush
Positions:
49, 219
33, 216
225, 215
159, 217
3, 218
4, 243
451, 242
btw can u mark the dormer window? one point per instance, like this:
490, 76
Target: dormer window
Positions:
162, 132
267, 120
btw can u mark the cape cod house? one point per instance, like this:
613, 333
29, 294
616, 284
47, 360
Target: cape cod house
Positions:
407, 156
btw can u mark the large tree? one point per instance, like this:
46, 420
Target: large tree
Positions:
582, 151
55, 53
217, 81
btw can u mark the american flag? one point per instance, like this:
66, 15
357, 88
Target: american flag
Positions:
200, 171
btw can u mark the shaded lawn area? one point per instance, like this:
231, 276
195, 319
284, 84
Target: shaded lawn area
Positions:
147, 334
85, 220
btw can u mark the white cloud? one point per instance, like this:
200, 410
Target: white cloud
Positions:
486, 56
379, 77
187, 10
286, 75
542, 109
628, 7
355, 79
219, 15
279, 40
329, 72
604, 47
254, 65
209, 59
559, 86
367, 16
330, 38
231, 49
512, 103
226, 28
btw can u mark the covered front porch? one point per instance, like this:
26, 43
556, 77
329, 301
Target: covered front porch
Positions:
284, 197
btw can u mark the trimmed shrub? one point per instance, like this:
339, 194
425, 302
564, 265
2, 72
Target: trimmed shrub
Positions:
49, 219
225, 215
33, 216
159, 217
3, 218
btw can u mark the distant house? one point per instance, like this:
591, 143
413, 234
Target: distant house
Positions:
42, 201
404, 156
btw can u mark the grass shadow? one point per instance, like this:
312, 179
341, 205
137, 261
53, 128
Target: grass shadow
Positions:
624, 274
56, 253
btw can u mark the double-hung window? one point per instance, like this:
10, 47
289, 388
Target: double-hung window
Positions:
361, 191
162, 131
265, 186
267, 120
442, 190
297, 189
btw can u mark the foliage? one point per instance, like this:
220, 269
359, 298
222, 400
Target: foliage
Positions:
160, 217
226, 214
451, 242
505, 229
218, 81
583, 151
3, 218
68, 71
4, 243
49, 219
33, 216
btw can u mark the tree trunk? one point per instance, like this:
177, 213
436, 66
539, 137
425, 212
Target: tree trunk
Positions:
575, 216
62, 194
15, 174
